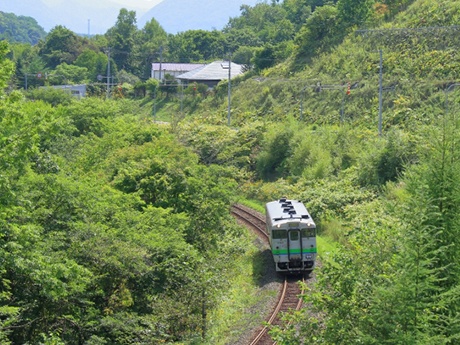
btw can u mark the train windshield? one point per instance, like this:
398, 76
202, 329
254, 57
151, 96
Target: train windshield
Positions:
294, 235
279, 234
308, 233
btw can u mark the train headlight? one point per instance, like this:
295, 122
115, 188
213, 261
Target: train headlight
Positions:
308, 257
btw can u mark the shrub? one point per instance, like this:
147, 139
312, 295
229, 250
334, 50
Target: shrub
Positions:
50, 95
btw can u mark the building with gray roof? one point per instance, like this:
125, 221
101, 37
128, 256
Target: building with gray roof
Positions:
211, 74
159, 70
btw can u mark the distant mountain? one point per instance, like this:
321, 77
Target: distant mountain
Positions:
97, 16
80, 16
30, 8
21, 29
182, 15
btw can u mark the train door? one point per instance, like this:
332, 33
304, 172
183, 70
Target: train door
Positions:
295, 248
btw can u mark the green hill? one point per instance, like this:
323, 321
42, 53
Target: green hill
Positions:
419, 50
20, 29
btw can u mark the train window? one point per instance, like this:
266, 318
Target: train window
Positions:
279, 234
294, 235
308, 233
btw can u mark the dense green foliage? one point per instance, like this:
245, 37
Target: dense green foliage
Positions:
109, 227
6, 65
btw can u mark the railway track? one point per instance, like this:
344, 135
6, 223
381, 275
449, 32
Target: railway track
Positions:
251, 219
288, 297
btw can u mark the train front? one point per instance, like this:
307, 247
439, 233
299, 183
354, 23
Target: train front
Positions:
292, 236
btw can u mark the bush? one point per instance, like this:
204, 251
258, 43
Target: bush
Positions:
51, 95
385, 159
271, 163
140, 89
151, 85
196, 89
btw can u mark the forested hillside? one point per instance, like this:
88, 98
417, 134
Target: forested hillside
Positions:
20, 29
110, 230
115, 227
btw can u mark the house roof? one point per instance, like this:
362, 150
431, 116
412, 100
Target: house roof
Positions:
217, 70
177, 67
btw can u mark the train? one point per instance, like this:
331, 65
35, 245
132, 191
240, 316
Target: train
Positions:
292, 235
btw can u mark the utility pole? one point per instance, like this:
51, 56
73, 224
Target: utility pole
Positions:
155, 105
108, 73
161, 60
181, 97
380, 91
229, 86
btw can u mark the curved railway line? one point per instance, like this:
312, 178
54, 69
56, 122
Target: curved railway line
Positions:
288, 298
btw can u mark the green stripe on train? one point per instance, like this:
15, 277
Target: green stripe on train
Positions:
293, 251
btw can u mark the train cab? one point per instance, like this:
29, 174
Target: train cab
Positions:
292, 234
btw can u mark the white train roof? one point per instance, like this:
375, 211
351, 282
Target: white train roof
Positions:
288, 210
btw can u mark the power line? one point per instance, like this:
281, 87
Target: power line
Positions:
429, 37
419, 29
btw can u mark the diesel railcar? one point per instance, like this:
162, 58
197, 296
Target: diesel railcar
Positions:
292, 234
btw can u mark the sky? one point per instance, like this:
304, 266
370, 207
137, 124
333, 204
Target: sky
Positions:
83, 16
142, 4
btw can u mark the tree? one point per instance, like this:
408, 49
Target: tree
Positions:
319, 33
210, 44
151, 86
149, 42
353, 13
297, 11
121, 39
264, 57
69, 74
140, 89
153, 34
196, 45
406, 308
236, 38
125, 77
61, 45
95, 62
244, 56
438, 178
263, 20
28, 63
6, 65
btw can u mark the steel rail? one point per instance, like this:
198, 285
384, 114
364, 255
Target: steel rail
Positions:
256, 221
